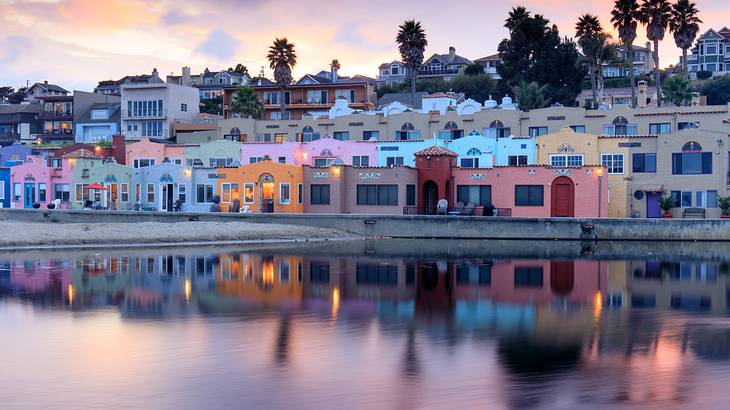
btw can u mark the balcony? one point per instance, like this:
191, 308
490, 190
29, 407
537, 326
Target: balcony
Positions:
159, 115
55, 114
429, 72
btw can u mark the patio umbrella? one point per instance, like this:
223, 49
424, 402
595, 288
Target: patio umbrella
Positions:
97, 187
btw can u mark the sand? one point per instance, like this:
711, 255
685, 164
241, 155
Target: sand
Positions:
28, 234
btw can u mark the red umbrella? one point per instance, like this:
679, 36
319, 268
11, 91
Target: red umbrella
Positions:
97, 187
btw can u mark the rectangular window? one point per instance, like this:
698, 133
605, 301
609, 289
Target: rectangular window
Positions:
410, 195
56, 162
578, 128
516, 160
204, 193
537, 131
711, 199
686, 199
360, 161
143, 162
613, 162
393, 161
562, 160
529, 195
474, 194
528, 276
644, 162
370, 135
183, 107
125, 192
341, 135
181, 193
62, 192
17, 192
284, 193
226, 192
42, 192
691, 163
386, 195
282, 160
323, 162
660, 128
248, 193
2, 189
320, 194
688, 125
469, 163
300, 193
150, 193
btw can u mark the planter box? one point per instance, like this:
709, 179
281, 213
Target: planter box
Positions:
666, 216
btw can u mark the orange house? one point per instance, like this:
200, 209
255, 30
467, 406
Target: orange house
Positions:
264, 187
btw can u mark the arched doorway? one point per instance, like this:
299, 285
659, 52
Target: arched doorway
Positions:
430, 197
562, 277
562, 197
266, 193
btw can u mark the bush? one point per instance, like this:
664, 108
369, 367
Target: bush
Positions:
717, 90
704, 75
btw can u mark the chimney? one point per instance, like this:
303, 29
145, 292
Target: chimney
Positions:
119, 149
334, 66
186, 76
155, 74
642, 94
452, 53
45, 81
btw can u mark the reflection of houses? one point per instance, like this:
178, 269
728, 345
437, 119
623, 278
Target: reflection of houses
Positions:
260, 279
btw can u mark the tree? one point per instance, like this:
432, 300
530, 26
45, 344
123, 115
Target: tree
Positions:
685, 25
245, 102
625, 16
5, 92
240, 69
474, 69
677, 90
282, 58
534, 51
717, 90
590, 36
655, 15
211, 105
530, 96
11, 95
412, 44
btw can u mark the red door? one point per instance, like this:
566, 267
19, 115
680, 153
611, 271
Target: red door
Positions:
562, 197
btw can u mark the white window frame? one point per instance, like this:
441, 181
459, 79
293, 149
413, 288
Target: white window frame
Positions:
281, 193
136, 162
182, 191
147, 194
124, 190
2, 189
253, 193
566, 158
226, 187
611, 156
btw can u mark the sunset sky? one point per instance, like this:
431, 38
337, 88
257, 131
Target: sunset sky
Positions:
76, 43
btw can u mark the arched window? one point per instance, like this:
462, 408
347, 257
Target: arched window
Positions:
474, 133
451, 126
307, 129
308, 134
235, 131
620, 121
407, 132
451, 131
497, 130
691, 146
496, 124
407, 127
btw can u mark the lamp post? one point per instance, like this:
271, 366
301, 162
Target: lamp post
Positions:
599, 172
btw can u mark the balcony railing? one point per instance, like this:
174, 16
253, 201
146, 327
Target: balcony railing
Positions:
144, 116
46, 114
439, 71
478, 210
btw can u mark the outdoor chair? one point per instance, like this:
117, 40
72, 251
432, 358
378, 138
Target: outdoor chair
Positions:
177, 207
469, 209
244, 209
235, 206
442, 207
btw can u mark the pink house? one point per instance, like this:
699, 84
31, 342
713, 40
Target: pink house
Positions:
320, 152
145, 152
38, 181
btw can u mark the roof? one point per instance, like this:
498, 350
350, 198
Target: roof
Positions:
445, 95
493, 57
113, 108
50, 87
436, 151
20, 108
447, 59
390, 63
82, 153
403, 98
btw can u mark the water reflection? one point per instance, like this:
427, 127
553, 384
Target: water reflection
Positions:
515, 332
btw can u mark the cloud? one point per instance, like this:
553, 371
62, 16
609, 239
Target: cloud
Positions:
219, 45
12, 48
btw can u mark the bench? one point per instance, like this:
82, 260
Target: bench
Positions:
693, 213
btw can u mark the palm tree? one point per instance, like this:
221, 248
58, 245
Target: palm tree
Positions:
625, 16
684, 24
515, 17
590, 35
606, 52
677, 90
412, 44
655, 15
246, 103
282, 58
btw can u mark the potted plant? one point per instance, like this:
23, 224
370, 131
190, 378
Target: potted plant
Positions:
666, 203
51, 205
36, 205
216, 199
724, 203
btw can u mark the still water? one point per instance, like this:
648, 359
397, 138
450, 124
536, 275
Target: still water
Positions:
371, 324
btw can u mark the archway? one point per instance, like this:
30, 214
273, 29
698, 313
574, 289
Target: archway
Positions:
562, 197
430, 197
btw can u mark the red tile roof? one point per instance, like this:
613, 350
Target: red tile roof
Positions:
436, 151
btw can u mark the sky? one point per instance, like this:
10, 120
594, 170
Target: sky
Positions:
76, 43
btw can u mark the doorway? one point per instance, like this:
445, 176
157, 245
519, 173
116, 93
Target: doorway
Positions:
562, 197
562, 277
430, 197
167, 194
29, 197
652, 205
266, 193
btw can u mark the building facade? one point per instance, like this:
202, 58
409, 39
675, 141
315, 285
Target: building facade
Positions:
262, 187
211, 84
711, 53
642, 62
444, 66
19, 123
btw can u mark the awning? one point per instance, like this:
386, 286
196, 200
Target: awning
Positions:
97, 187
652, 188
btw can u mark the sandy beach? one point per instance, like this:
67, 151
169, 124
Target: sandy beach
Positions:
28, 234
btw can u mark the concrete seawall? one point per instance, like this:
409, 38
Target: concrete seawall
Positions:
418, 226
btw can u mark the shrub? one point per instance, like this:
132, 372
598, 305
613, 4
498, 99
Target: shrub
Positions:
51, 205
704, 75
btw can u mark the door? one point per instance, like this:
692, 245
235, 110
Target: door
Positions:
430, 197
562, 277
652, 205
267, 197
167, 193
29, 197
562, 197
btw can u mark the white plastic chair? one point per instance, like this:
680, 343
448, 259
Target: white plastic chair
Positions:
244, 209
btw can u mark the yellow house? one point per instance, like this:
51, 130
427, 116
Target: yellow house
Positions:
567, 148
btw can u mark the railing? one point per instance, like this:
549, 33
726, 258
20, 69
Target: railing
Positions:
159, 114
478, 210
441, 71
56, 114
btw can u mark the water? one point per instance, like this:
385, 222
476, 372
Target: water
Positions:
370, 324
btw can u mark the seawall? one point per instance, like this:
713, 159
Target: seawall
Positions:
421, 226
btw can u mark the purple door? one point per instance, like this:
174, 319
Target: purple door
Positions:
652, 205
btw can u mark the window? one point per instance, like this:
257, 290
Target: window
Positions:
660, 128
377, 195
360, 161
469, 162
393, 161
300, 193
407, 132
691, 163
253, 160
125, 193
474, 194
204, 193
528, 276
220, 162
183, 107
284, 194
181, 193
323, 162
226, 192
17, 192
644, 162
537, 131
516, 160
79, 192
282, 160
620, 126
137, 192
42, 192
320, 194
529, 195
370, 135
341, 135
410, 195
563, 160
150, 193
376, 274
56, 162
613, 162
143, 162
248, 193
706, 199
62, 192
316, 97
319, 272
348, 95
578, 128
688, 125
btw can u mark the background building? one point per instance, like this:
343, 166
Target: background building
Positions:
711, 53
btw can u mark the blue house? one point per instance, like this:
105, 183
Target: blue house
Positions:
4, 187
515, 151
14, 154
98, 123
